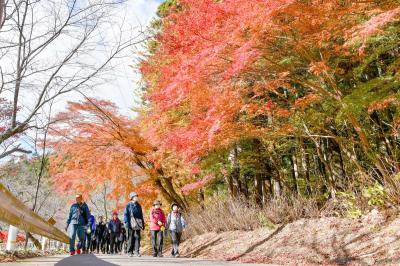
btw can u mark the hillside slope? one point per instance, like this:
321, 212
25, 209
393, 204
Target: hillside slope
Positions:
372, 239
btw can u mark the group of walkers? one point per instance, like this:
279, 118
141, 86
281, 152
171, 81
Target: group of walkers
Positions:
116, 236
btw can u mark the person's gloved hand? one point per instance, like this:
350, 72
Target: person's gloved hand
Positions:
66, 228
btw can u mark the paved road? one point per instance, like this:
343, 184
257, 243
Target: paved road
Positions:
122, 260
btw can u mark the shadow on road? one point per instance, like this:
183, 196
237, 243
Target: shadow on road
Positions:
83, 260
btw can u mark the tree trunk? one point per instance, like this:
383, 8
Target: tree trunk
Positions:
229, 181
305, 162
168, 191
200, 197
258, 184
2, 12
235, 174
322, 151
295, 171
105, 201
277, 188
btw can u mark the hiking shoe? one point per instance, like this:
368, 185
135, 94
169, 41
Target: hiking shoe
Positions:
160, 255
78, 251
176, 255
154, 255
131, 255
72, 253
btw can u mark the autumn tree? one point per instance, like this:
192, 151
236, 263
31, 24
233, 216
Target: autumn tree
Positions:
94, 146
275, 90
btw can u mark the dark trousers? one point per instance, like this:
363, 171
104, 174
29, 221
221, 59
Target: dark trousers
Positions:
89, 245
114, 243
106, 246
157, 241
176, 240
93, 245
133, 241
121, 246
100, 244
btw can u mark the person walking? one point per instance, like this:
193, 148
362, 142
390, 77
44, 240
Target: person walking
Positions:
157, 226
106, 241
78, 218
99, 233
89, 243
122, 240
175, 226
134, 223
114, 228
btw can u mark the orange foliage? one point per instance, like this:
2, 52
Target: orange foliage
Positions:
224, 69
94, 145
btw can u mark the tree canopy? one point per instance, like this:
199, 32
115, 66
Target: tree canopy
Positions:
261, 99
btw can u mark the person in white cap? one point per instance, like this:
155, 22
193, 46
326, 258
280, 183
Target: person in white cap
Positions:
175, 226
134, 223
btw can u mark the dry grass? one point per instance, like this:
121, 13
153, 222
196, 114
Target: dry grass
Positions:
222, 215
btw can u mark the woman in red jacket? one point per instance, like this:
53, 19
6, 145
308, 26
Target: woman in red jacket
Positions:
157, 226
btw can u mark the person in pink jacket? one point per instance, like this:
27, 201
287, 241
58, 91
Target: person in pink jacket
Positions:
157, 226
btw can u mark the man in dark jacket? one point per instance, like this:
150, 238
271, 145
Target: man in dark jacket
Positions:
133, 218
114, 228
99, 233
78, 218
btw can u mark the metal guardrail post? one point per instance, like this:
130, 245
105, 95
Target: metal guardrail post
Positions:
14, 212
45, 243
12, 238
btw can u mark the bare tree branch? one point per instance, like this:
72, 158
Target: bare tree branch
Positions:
13, 150
51, 48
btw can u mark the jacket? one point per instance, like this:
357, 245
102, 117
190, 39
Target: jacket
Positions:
155, 216
92, 223
175, 222
132, 208
100, 231
78, 214
114, 226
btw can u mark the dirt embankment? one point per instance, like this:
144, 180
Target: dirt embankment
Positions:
370, 240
